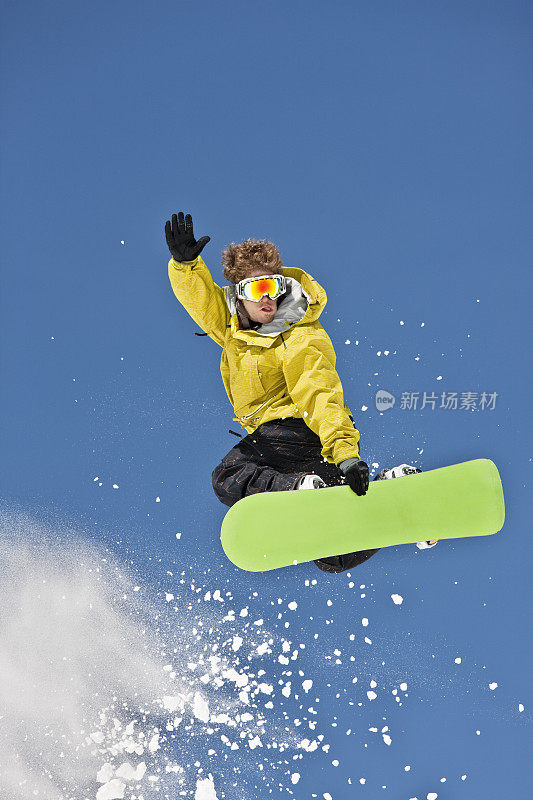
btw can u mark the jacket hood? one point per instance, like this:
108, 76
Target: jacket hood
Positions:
303, 301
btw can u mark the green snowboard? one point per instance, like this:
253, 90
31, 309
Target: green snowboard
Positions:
275, 529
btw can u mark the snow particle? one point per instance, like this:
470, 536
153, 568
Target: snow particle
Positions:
397, 599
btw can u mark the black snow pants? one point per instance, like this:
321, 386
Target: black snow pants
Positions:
272, 459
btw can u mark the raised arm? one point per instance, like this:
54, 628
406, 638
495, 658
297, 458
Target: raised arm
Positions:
191, 280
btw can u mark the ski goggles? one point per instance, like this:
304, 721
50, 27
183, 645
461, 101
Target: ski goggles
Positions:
255, 289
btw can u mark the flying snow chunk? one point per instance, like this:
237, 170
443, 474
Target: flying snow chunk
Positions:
364, 408
306, 685
293, 605
113, 790
200, 707
493, 686
205, 789
520, 707
397, 599
105, 773
115, 486
371, 695
295, 777
255, 742
308, 746
130, 773
173, 703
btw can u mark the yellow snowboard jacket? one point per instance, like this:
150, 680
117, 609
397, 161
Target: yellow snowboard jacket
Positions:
285, 368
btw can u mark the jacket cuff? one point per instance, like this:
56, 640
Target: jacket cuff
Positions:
345, 465
178, 264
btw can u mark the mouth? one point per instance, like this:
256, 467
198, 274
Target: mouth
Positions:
267, 309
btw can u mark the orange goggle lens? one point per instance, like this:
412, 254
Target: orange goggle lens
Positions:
255, 288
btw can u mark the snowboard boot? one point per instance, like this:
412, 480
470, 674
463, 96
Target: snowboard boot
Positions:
310, 481
399, 472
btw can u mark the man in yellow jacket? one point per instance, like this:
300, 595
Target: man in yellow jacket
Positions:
278, 368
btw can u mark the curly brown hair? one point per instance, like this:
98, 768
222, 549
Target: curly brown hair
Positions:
239, 260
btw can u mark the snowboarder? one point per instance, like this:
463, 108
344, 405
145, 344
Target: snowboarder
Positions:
278, 368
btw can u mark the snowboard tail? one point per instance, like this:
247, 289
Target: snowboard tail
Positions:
276, 529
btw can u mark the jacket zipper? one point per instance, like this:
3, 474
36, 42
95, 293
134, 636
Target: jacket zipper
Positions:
259, 407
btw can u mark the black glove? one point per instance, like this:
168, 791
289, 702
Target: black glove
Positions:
356, 476
180, 238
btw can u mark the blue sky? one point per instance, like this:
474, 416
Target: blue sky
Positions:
385, 148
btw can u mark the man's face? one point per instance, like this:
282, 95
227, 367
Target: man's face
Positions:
264, 310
